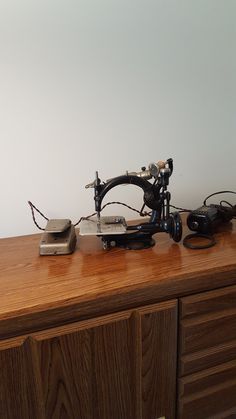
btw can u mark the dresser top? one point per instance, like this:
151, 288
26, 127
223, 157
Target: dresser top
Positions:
41, 291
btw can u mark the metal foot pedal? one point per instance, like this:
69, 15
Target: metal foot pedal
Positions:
59, 238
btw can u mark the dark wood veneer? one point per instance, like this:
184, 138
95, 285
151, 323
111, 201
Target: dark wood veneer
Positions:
207, 355
116, 366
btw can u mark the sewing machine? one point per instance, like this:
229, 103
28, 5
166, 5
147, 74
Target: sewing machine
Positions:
114, 230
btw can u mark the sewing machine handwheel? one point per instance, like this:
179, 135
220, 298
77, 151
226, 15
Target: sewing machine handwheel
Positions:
176, 227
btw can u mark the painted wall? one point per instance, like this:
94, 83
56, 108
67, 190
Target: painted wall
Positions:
112, 85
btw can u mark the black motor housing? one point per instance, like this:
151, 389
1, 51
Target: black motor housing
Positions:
206, 219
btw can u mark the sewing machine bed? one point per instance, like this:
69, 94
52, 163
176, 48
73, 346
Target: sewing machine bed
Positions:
106, 226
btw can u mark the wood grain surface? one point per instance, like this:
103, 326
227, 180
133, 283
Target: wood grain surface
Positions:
120, 366
209, 394
207, 329
38, 292
207, 355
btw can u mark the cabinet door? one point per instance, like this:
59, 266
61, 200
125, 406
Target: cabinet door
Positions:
120, 366
20, 396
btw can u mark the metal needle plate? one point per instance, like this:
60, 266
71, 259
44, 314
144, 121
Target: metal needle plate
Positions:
106, 225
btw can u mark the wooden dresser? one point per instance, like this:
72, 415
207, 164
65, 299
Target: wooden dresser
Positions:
118, 334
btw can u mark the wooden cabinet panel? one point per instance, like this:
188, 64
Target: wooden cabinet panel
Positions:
207, 389
120, 366
200, 360
88, 373
207, 330
209, 394
159, 353
204, 332
20, 390
208, 302
84, 371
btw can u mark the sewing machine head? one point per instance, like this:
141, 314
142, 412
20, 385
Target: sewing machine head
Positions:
114, 230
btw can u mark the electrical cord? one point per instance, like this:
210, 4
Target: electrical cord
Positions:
187, 241
227, 203
180, 209
34, 208
204, 202
217, 193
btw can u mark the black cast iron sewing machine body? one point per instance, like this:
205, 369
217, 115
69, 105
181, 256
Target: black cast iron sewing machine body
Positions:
156, 197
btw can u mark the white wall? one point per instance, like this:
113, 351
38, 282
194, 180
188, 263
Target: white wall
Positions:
111, 85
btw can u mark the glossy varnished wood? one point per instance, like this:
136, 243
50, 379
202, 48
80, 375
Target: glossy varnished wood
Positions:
38, 292
120, 366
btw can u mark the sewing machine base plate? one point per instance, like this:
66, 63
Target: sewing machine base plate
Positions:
132, 241
108, 225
